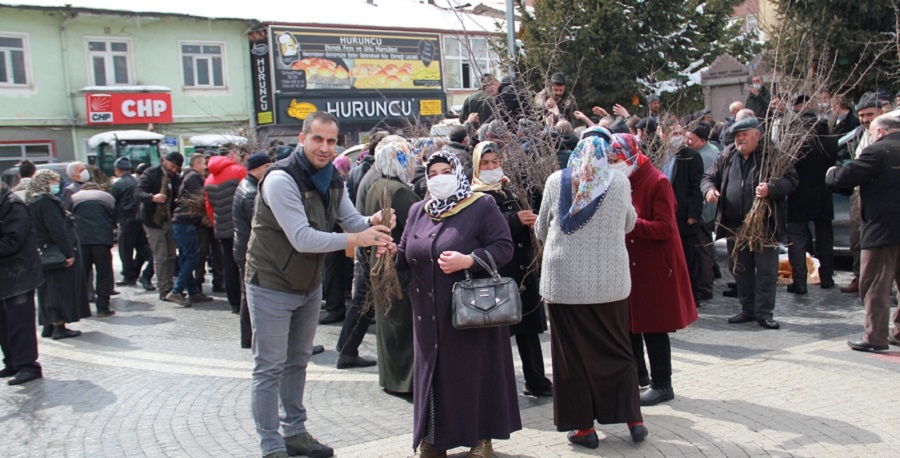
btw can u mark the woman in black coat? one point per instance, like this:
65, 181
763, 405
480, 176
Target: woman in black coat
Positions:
487, 177
63, 297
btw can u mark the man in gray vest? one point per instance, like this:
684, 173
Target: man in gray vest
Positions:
300, 199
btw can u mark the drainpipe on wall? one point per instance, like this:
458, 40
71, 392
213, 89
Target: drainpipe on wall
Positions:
248, 86
64, 49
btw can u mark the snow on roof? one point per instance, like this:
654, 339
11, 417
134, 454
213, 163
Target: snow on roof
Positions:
398, 14
217, 140
125, 89
116, 135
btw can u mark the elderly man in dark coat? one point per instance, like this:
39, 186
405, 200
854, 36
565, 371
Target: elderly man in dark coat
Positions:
877, 173
20, 274
131, 233
734, 182
93, 209
811, 202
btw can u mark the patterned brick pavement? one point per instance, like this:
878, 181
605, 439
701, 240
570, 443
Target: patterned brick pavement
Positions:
156, 380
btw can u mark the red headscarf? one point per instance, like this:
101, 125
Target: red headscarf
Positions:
628, 148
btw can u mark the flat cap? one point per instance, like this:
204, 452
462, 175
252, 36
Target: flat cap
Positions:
745, 124
868, 100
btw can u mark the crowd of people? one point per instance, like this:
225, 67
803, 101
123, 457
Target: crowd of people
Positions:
633, 201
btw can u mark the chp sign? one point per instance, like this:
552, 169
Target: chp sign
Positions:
128, 108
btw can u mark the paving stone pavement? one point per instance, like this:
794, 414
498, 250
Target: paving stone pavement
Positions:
157, 380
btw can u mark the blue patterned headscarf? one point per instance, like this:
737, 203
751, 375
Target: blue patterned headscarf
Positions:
586, 179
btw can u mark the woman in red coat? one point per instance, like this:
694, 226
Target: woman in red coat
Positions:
661, 301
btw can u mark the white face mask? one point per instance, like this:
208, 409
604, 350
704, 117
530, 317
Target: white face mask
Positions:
85, 175
623, 167
757, 86
442, 186
491, 176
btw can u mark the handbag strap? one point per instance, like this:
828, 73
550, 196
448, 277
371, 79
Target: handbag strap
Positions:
491, 269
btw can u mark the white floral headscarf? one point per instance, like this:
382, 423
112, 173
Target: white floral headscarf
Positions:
393, 158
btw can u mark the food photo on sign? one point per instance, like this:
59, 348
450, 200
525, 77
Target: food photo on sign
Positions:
318, 59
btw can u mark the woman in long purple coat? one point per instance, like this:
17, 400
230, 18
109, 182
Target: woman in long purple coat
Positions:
464, 389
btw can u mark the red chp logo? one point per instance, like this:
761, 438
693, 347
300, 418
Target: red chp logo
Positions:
99, 109
128, 108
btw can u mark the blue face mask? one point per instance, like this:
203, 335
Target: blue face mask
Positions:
54, 189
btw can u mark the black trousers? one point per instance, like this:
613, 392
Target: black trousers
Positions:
99, 257
246, 327
232, 273
756, 275
355, 323
691, 258
706, 260
532, 356
659, 351
337, 278
801, 242
132, 238
17, 332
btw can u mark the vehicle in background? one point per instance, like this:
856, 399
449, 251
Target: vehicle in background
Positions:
443, 128
216, 141
841, 224
139, 146
10, 176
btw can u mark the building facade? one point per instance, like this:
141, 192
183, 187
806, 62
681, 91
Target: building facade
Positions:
69, 73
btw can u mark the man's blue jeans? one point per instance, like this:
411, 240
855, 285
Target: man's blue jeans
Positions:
188, 256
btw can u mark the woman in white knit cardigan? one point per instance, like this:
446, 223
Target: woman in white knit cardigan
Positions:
585, 281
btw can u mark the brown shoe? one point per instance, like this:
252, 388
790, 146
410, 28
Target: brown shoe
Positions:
177, 299
198, 298
427, 450
483, 449
853, 287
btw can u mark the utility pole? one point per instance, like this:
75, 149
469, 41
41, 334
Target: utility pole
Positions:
511, 36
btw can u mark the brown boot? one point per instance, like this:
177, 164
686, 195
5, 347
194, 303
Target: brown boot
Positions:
427, 450
483, 449
853, 287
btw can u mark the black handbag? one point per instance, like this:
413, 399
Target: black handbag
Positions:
486, 302
52, 257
